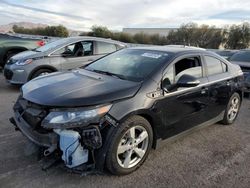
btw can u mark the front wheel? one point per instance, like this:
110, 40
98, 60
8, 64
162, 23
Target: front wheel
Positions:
232, 109
130, 146
41, 72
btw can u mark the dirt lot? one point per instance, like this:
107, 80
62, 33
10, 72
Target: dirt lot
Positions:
214, 156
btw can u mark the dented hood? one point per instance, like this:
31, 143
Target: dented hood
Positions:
77, 88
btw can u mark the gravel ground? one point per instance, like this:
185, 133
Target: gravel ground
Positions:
214, 156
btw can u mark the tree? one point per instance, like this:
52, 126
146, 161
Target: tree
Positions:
191, 34
123, 37
205, 36
142, 38
156, 39
237, 36
183, 35
99, 31
56, 31
208, 37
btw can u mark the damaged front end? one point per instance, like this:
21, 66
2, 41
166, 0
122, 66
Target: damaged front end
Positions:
73, 133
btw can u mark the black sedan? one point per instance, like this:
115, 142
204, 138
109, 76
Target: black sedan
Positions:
242, 58
109, 114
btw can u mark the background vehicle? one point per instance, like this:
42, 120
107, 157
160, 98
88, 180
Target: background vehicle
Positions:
227, 54
242, 58
16, 43
185, 46
120, 106
63, 54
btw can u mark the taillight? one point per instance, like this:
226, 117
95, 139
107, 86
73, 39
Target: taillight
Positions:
40, 43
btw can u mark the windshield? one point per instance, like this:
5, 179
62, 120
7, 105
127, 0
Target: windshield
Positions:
243, 56
130, 64
51, 45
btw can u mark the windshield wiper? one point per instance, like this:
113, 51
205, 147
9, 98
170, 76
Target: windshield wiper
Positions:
109, 74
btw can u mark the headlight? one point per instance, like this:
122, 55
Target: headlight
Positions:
74, 117
24, 62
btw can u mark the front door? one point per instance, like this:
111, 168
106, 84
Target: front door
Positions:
76, 55
183, 108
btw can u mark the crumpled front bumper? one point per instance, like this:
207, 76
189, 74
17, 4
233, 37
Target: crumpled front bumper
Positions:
45, 140
73, 145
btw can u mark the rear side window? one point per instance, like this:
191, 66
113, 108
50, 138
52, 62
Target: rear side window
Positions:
104, 48
215, 66
88, 47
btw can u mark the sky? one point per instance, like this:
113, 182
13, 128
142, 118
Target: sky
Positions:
117, 14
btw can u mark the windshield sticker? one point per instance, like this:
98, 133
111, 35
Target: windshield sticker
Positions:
151, 55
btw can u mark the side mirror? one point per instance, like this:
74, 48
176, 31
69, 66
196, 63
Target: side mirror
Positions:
187, 81
166, 84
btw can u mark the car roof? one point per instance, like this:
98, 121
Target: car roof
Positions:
185, 46
78, 38
172, 49
180, 50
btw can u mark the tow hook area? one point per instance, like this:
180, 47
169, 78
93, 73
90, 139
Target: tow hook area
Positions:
12, 121
73, 152
50, 150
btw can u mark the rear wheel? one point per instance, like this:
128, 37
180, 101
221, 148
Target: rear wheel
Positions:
232, 110
130, 146
41, 72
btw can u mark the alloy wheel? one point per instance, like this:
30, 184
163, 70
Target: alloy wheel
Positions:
132, 147
233, 109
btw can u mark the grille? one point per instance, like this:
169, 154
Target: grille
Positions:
8, 74
32, 113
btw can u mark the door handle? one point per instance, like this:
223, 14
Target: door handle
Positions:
90, 59
228, 82
204, 90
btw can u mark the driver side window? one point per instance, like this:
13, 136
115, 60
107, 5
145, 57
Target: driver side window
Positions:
78, 49
189, 66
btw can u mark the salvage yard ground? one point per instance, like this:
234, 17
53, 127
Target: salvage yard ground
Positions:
214, 156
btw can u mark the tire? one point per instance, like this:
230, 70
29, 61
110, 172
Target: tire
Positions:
136, 152
232, 109
8, 55
40, 72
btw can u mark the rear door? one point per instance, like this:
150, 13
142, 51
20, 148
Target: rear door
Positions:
220, 82
184, 108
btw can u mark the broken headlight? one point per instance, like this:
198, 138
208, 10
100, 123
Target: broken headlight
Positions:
70, 118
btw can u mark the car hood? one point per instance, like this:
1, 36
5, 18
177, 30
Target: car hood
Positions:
28, 55
77, 88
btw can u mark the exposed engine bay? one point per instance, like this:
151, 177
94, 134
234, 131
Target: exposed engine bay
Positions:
74, 145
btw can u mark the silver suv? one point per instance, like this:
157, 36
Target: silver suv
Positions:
63, 54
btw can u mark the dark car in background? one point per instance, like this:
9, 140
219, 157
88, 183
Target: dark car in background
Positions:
227, 54
112, 112
60, 55
242, 58
11, 44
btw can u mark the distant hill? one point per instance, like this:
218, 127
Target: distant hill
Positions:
8, 27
